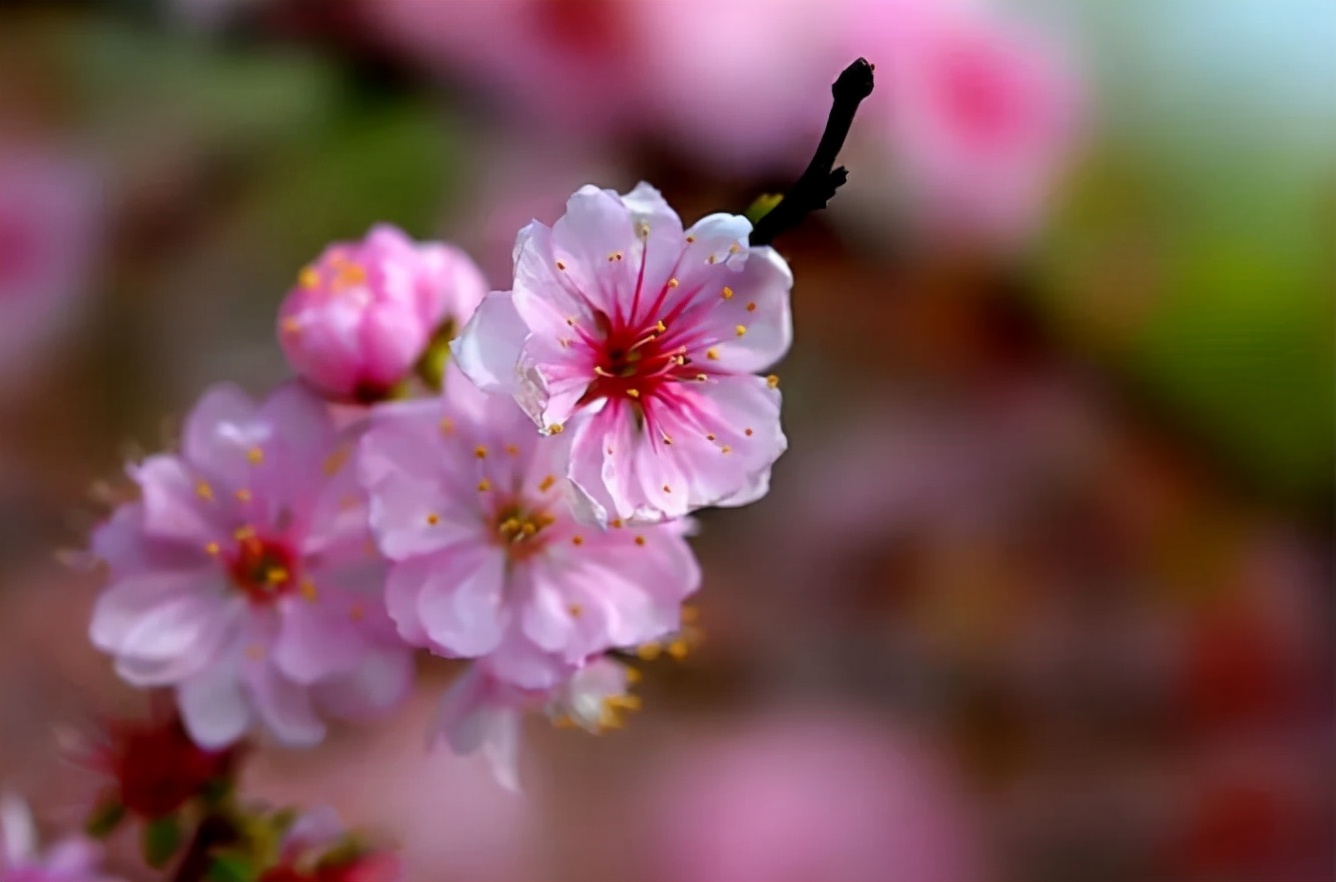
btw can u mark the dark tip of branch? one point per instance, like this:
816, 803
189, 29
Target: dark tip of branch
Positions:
819, 181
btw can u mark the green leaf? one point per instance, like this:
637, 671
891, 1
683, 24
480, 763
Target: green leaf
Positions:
104, 819
232, 867
162, 839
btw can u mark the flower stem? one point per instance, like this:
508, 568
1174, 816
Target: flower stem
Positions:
817, 184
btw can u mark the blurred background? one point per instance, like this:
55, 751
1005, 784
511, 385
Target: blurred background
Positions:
1043, 588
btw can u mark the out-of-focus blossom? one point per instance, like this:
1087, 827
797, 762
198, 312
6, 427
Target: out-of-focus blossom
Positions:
156, 768
483, 713
979, 110
740, 84
245, 575
74, 859
812, 798
645, 338
50, 207
364, 312
468, 502
317, 848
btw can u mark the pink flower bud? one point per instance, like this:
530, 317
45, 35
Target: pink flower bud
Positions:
363, 313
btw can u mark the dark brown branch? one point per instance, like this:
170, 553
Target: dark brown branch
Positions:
819, 181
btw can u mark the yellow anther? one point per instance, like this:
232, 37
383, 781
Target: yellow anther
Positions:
633, 676
640, 540
741, 330
291, 325
241, 534
667, 489
673, 283
546, 484
751, 307
577, 539
560, 265
335, 462
203, 490
712, 354
772, 381
701, 378
555, 429
433, 518
616, 523
212, 548
616, 255
711, 259
709, 436
243, 495
255, 455
690, 614
513, 449
727, 448
667, 439
484, 485
660, 326
734, 248
747, 432
276, 575
480, 451
308, 277
634, 393
643, 230
447, 426
528, 528
678, 649
623, 702
690, 239
727, 293
575, 610
649, 651
307, 589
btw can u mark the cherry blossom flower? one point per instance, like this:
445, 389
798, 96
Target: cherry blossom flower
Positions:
468, 502
364, 312
245, 576
980, 110
651, 335
318, 848
73, 859
482, 713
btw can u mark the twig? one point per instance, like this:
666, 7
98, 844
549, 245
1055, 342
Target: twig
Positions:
819, 181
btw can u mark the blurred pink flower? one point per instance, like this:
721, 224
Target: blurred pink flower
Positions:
798, 799
483, 713
649, 334
467, 501
50, 209
738, 83
244, 576
363, 314
981, 111
318, 848
73, 859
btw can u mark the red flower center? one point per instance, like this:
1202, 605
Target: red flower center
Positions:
265, 569
633, 360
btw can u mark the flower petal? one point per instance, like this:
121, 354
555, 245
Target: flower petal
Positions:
489, 346
283, 705
460, 603
317, 639
213, 706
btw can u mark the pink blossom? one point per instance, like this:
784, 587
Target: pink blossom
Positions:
364, 312
245, 576
644, 338
980, 110
73, 859
822, 796
318, 848
50, 207
468, 502
481, 713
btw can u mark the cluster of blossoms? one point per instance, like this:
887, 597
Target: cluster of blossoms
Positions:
504, 478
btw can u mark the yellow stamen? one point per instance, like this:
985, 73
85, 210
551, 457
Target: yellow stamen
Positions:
243, 495
577, 539
307, 589
772, 381
484, 485
741, 330
480, 451
203, 490
640, 540
433, 519
712, 354
751, 307
727, 293
308, 277
212, 548
255, 455
546, 484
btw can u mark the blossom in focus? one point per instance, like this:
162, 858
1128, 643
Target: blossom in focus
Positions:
481, 713
50, 208
245, 576
797, 799
979, 110
364, 312
156, 768
644, 338
469, 504
317, 848
73, 859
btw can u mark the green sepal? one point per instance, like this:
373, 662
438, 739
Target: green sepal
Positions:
162, 839
105, 819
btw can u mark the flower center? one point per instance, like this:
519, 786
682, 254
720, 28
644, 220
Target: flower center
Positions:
633, 361
264, 569
518, 529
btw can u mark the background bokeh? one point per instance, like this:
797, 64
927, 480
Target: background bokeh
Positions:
1043, 587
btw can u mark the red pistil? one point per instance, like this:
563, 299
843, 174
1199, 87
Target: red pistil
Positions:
264, 569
